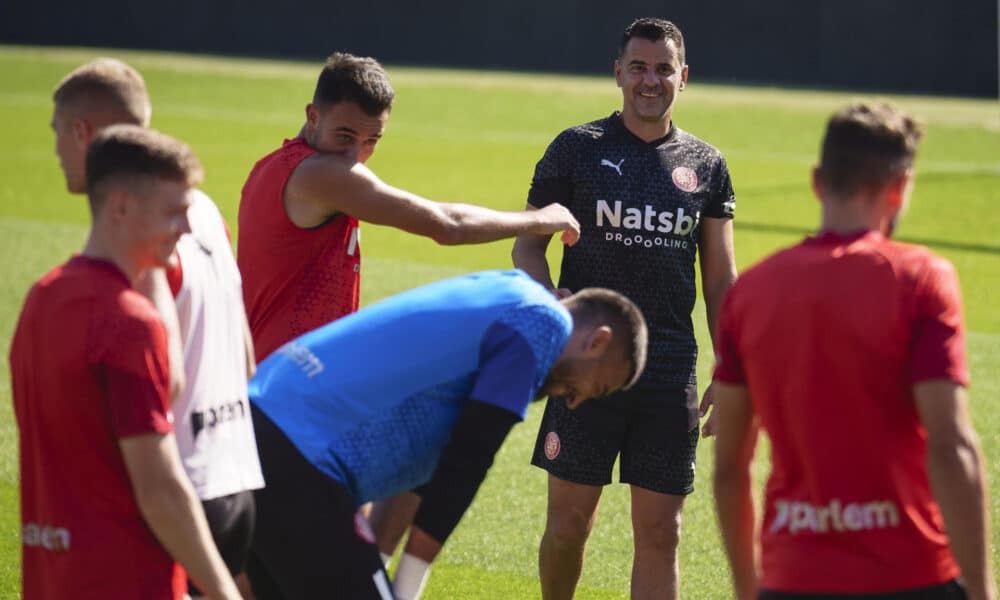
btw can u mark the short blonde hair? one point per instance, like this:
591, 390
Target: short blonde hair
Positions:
106, 90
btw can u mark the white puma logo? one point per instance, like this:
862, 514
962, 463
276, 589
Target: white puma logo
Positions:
607, 163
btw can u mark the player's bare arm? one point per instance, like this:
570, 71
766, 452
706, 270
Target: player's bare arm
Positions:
734, 450
324, 185
152, 283
955, 469
718, 272
529, 256
173, 511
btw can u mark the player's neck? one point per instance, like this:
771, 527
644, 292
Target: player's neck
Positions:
101, 248
851, 216
647, 131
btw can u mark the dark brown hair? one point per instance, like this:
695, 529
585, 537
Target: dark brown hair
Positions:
599, 306
654, 30
135, 155
349, 78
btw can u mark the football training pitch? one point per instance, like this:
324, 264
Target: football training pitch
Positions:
475, 137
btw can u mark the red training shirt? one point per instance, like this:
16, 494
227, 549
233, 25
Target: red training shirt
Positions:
829, 337
294, 279
89, 367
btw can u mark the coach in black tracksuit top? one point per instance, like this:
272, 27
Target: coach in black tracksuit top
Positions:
650, 197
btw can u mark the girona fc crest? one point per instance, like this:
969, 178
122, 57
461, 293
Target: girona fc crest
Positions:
552, 445
685, 179
363, 529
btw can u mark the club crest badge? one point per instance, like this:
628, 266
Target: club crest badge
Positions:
363, 529
685, 179
552, 445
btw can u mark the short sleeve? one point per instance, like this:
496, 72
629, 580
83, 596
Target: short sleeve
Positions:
722, 199
553, 181
938, 344
134, 367
508, 368
728, 363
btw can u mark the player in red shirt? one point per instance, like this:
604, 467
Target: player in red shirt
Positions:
106, 507
849, 350
298, 246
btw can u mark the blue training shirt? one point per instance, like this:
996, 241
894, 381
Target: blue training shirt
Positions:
371, 399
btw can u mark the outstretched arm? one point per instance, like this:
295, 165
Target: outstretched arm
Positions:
324, 185
955, 469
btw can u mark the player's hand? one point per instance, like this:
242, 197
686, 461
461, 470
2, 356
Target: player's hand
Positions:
561, 293
708, 429
555, 218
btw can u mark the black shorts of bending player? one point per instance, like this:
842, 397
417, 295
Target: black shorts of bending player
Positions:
656, 435
230, 519
309, 541
951, 590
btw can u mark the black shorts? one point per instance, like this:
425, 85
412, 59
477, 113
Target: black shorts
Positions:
310, 541
951, 590
656, 435
231, 520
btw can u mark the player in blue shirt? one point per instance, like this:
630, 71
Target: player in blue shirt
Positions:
417, 391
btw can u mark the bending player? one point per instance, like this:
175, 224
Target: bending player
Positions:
849, 350
418, 390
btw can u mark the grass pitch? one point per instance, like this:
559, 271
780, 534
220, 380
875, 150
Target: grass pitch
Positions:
475, 137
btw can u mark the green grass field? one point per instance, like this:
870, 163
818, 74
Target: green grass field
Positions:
475, 137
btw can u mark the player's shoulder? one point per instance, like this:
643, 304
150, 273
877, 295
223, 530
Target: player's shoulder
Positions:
915, 261
587, 132
764, 275
694, 144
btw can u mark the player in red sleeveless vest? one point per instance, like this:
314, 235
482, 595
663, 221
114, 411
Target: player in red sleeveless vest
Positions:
848, 348
298, 246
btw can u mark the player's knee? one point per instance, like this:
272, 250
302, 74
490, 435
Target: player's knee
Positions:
661, 532
568, 527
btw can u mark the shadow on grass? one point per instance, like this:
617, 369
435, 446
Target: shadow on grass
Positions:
944, 244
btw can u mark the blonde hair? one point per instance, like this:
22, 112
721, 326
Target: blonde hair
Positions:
106, 90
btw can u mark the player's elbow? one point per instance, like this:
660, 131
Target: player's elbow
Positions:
448, 233
158, 498
955, 451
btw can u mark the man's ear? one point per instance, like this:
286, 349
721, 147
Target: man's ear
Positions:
598, 341
312, 115
83, 132
817, 186
898, 189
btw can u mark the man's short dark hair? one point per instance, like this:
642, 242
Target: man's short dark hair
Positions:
599, 306
135, 155
866, 145
654, 30
106, 89
358, 79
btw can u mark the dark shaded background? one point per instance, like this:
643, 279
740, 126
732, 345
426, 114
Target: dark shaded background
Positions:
925, 46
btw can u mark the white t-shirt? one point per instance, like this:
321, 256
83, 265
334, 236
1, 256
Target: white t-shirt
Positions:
212, 417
